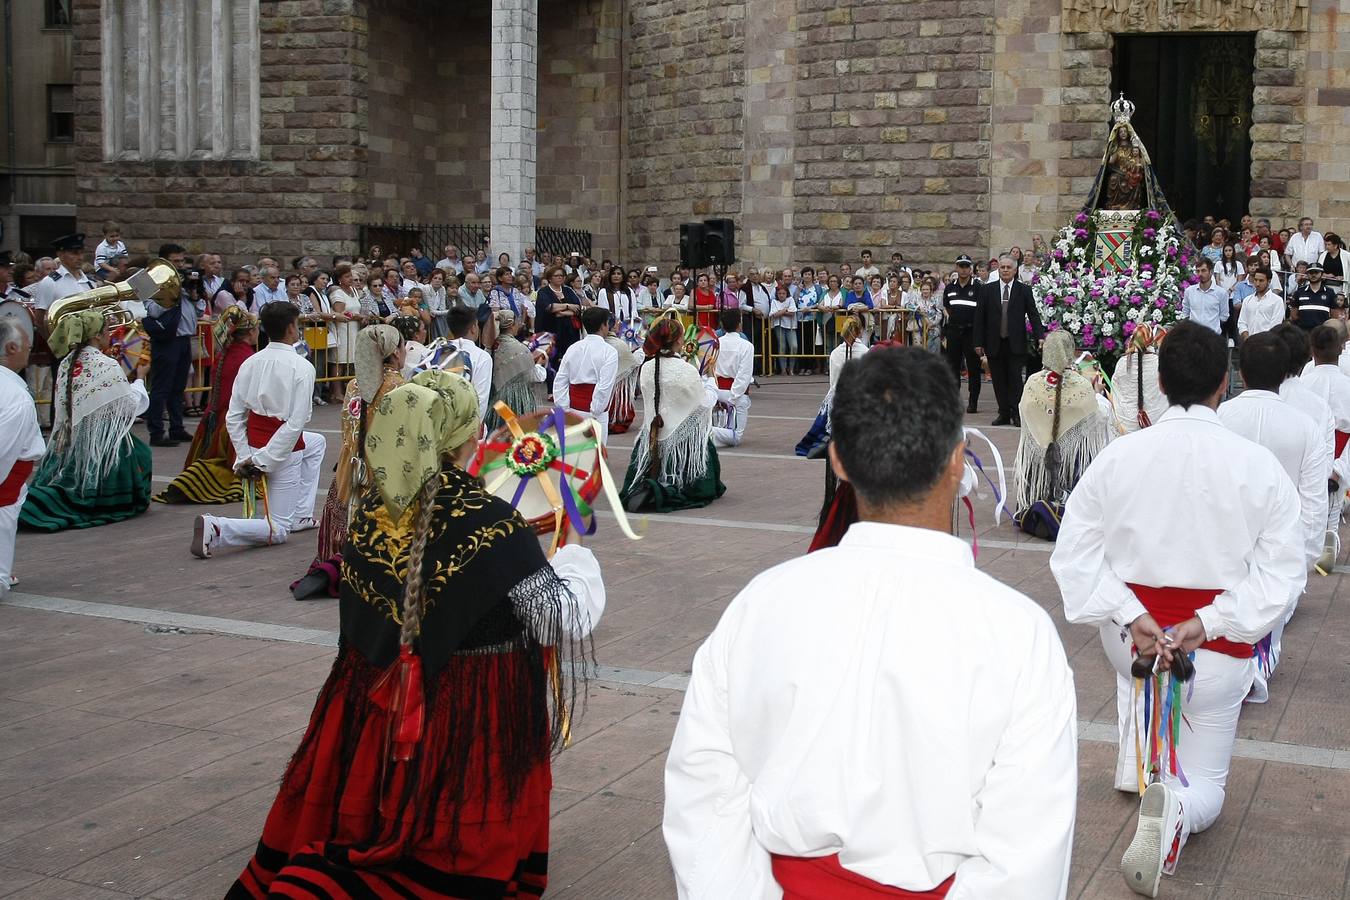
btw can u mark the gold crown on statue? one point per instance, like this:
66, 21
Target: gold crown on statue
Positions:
1122, 110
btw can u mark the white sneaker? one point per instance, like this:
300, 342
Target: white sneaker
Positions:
308, 523
1157, 840
204, 533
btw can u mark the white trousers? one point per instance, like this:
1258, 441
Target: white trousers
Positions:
732, 432
291, 491
1205, 750
9, 528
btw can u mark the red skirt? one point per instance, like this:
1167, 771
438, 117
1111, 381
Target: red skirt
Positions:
327, 835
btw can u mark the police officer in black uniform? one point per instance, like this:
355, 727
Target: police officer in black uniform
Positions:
960, 298
1312, 303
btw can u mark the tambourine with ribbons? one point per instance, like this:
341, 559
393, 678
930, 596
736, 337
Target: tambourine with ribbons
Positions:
443, 356
630, 334
700, 349
543, 342
549, 465
129, 347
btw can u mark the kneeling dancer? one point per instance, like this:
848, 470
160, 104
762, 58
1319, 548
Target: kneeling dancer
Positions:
1214, 566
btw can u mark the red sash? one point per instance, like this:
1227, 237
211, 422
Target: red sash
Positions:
261, 428
823, 878
1342, 438
579, 396
1169, 606
724, 383
14, 482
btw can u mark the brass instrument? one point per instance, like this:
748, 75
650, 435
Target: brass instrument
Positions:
157, 281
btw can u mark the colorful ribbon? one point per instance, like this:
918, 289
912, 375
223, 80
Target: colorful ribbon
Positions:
1001, 489
1158, 731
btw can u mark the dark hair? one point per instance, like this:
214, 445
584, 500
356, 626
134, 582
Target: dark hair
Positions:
730, 319
1262, 270
896, 418
1295, 342
1206, 262
1192, 363
461, 320
276, 317
1326, 344
1332, 237
1263, 360
407, 326
167, 250
593, 318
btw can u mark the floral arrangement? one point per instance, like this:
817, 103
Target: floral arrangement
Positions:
1102, 309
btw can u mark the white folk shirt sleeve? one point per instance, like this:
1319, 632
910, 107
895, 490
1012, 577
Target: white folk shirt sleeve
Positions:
735, 360
275, 382
1246, 543
578, 566
606, 373
562, 380
779, 748
20, 437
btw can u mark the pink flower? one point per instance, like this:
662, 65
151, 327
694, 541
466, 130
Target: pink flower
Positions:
1152, 215
1160, 303
1136, 300
1080, 219
1150, 234
1109, 344
1053, 326
1113, 301
1128, 328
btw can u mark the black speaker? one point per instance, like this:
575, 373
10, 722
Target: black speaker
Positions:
719, 241
691, 246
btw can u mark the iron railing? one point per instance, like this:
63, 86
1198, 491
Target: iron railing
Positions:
397, 238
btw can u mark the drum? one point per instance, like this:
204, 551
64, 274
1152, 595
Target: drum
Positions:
130, 348
443, 356
550, 466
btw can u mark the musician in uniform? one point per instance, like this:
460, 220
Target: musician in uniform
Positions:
1312, 303
960, 299
68, 279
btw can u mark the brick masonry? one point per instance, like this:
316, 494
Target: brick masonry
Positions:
893, 129
305, 193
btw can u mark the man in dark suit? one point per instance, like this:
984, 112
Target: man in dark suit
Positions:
1006, 306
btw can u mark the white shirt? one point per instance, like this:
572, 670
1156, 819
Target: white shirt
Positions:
761, 298
588, 361
452, 265
1332, 386
621, 303
735, 360
1209, 529
1299, 445
1307, 401
1125, 396
20, 439
1306, 249
481, 361
815, 723
786, 322
842, 354
1261, 313
105, 251
58, 285
279, 383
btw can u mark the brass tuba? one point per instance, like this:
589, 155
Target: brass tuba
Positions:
157, 281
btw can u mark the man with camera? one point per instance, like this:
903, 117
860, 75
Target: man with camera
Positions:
171, 327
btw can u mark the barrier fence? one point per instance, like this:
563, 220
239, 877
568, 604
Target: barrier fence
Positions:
806, 345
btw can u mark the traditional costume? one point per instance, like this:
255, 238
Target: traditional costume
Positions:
270, 405
621, 409
1063, 429
851, 346
1329, 383
1232, 558
784, 781
95, 470
517, 378
1316, 405
208, 472
480, 370
376, 375
735, 371
425, 770
1263, 418
674, 464
21, 447
1136, 397
586, 378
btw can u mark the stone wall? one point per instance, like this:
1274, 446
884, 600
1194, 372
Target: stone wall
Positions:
893, 121
429, 111
684, 124
579, 163
305, 193
1326, 128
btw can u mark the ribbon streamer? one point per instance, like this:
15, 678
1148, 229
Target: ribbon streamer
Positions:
1001, 489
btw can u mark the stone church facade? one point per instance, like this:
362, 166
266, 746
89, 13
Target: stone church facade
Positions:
820, 126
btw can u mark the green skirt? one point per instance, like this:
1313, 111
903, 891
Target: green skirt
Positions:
692, 495
124, 492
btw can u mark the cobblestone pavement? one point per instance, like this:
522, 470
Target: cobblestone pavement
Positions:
149, 700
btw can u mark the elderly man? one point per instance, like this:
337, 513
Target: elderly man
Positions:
1006, 309
20, 441
65, 279
1305, 245
471, 292
450, 262
270, 290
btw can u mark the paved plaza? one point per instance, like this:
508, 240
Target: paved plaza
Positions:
149, 700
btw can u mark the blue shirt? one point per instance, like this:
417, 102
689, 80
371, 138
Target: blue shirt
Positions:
1206, 307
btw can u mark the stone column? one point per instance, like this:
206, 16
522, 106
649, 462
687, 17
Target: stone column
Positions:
767, 198
515, 45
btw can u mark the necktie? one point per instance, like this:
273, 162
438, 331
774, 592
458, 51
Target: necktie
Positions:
1003, 321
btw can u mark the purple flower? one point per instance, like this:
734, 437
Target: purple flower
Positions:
1053, 326
1109, 344
1049, 300
1128, 328
1152, 215
1147, 267
1080, 233
1113, 300
1171, 251
1059, 254
1136, 300
1160, 303
1069, 300
1147, 284
1080, 219
1089, 339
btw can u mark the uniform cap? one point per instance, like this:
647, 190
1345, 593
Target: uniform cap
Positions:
69, 242
964, 260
